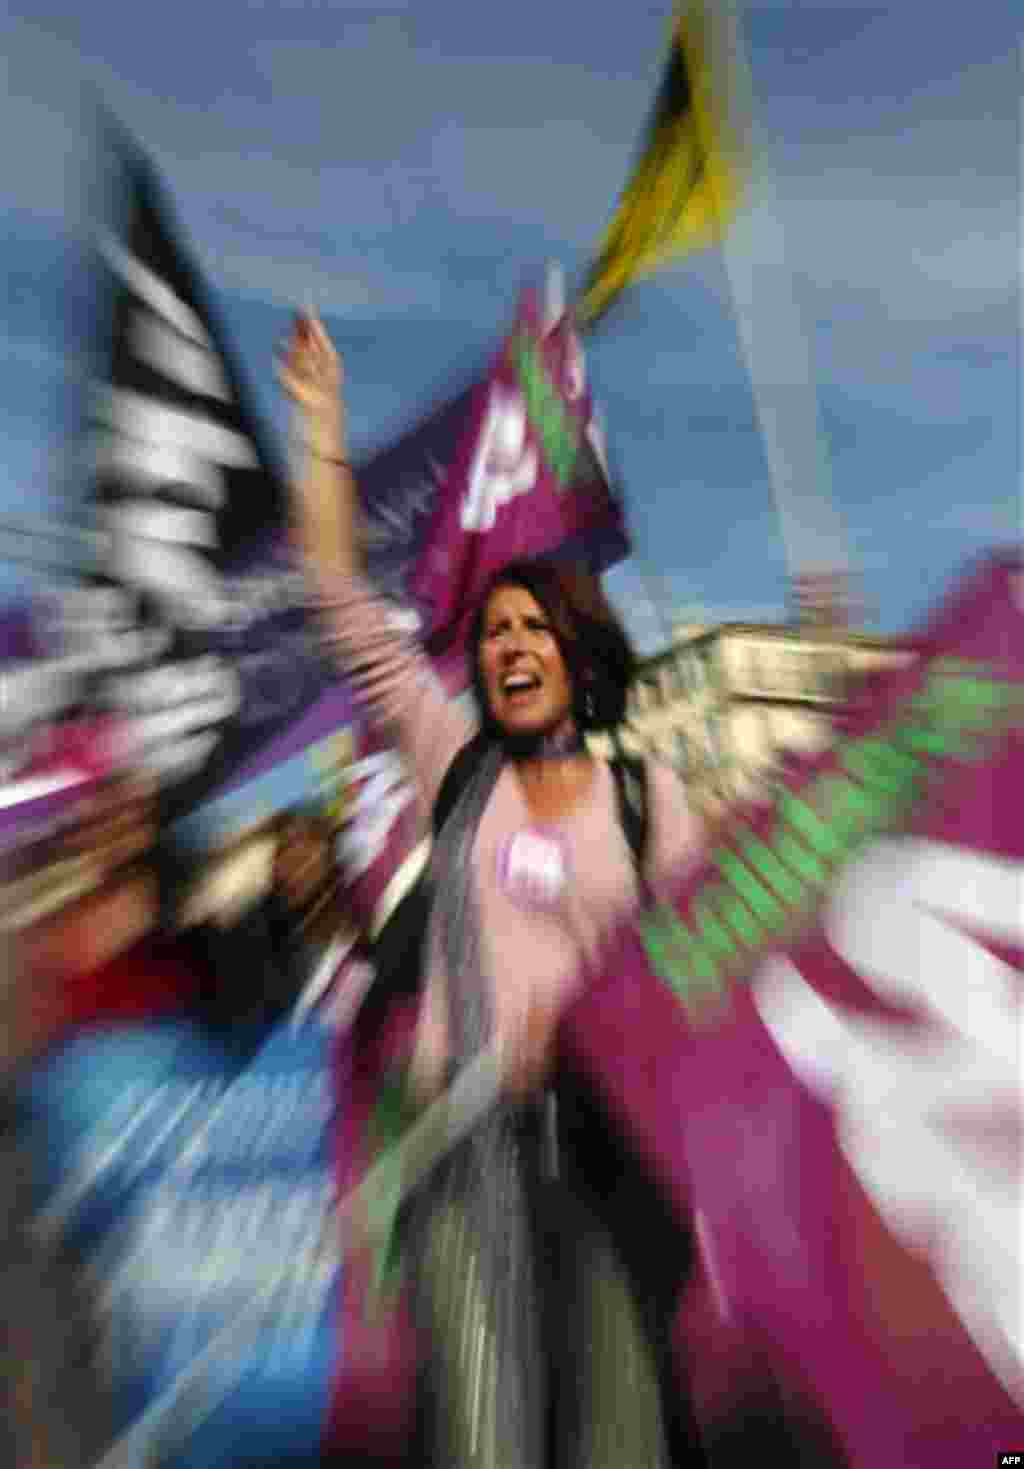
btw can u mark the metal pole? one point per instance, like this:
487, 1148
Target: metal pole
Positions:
777, 353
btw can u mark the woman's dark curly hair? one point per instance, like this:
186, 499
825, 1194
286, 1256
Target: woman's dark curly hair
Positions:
598, 656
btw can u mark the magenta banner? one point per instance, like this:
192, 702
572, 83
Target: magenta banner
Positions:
817, 1045
527, 477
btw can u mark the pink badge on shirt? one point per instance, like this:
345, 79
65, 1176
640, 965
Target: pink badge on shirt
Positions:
533, 866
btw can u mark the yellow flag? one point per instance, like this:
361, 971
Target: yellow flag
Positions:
686, 185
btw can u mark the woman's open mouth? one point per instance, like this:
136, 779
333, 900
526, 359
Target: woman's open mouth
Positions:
519, 688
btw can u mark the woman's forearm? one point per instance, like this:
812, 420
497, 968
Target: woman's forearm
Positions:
326, 496
398, 690
325, 505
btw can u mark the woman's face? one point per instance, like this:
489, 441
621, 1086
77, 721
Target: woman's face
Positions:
524, 674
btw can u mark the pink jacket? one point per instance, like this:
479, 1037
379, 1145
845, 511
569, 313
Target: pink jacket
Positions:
540, 936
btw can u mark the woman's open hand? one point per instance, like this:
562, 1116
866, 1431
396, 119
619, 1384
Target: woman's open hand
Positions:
311, 373
310, 370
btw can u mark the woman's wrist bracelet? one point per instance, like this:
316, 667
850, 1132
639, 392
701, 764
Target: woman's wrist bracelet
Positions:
332, 459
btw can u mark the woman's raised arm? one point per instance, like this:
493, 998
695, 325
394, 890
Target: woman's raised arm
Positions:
394, 681
326, 501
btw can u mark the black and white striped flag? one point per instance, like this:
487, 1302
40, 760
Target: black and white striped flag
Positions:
193, 508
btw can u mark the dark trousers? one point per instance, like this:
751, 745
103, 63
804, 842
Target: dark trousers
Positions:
580, 1328
604, 1174
607, 1184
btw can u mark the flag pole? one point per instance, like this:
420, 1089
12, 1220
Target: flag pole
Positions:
777, 353
696, 184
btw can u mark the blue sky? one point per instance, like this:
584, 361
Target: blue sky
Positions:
411, 164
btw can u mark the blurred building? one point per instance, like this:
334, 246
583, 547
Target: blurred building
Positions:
727, 704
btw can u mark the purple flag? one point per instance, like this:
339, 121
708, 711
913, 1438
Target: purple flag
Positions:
527, 478
824, 1062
